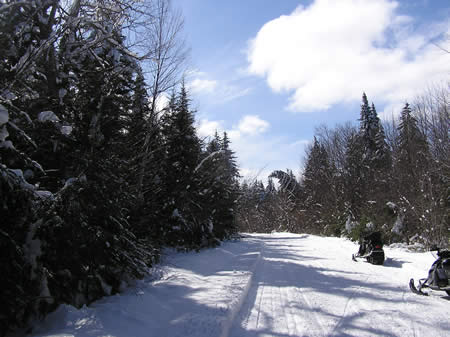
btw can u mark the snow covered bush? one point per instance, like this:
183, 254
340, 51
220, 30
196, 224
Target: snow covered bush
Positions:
20, 290
89, 247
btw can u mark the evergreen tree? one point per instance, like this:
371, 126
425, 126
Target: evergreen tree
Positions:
183, 151
89, 215
354, 194
25, 29
375, 163
383, 152
365, 119
230, 161
412, 166
318, 187
228, 191
413, 147
72, 115
369, 127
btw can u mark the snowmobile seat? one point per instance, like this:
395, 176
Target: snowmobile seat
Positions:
374, 239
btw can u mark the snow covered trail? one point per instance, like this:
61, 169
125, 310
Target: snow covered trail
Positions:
309, 286
268, 285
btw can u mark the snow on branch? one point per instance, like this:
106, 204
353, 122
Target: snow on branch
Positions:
206, 159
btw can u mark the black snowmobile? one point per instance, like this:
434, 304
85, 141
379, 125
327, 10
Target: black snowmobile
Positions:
438, 275
371, 249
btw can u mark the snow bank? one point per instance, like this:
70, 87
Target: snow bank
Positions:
415, 247
198, 295
238, 302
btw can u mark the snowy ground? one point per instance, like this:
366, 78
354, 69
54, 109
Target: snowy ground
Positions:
267, 285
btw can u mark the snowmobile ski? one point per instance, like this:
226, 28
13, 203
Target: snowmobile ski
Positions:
373, 258
415, 290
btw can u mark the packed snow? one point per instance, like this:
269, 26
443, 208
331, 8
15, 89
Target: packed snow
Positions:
276, 284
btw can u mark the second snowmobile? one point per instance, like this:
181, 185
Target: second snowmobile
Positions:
438, 275
371, 249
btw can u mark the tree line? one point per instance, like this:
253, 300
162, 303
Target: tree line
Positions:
392, 176
95, 174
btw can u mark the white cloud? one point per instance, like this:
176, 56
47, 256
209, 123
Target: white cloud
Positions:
391, 110
199, 85
331, 51
252, 125
230, 92
215, 91
249, 125
207, 128
258, 155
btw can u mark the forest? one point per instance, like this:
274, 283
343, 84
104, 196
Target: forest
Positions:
392, 176
97, 176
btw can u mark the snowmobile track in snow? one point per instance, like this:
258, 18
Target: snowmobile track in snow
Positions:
280, 284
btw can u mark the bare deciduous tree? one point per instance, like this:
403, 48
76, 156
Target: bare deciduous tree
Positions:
167, 50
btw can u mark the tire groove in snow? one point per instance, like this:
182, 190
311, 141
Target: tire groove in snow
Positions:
315, 316
259, 305
290, 323
413, 324
346, 308
356, 304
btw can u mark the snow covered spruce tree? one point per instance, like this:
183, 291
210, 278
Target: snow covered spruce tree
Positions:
367, 170
412, 178
353, 175
199, 187
64, 90
89, 216
217, 176
145, 152
376, 164
319, 189
183, 150
25, 100
226, 184
334, 142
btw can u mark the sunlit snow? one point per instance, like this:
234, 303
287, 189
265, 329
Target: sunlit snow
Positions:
267, 285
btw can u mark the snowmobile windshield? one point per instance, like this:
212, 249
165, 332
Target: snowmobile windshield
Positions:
444, 254
375, 239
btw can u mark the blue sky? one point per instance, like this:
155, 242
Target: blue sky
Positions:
269, 71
